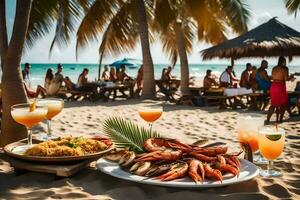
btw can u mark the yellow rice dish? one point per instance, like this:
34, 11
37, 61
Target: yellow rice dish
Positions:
68, 146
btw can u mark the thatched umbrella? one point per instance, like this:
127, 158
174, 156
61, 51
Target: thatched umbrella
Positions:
270, 39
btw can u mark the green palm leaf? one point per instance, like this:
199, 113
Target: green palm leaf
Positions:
126, 134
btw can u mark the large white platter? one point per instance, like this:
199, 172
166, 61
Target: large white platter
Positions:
248, 171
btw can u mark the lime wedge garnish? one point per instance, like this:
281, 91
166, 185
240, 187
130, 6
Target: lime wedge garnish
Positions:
274, 137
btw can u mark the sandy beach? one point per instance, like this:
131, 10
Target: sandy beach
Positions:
186, 123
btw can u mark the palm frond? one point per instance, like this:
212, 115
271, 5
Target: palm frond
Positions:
95, 21
69, 12
126, 134
42, 18
121, 34
293, 6
236, 13
210, 26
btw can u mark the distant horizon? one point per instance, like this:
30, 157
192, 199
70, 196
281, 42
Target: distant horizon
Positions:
202, 63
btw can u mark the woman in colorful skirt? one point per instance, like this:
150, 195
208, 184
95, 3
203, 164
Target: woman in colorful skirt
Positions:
278, 92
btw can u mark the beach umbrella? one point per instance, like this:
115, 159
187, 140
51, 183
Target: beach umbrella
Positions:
130, 62
270, 39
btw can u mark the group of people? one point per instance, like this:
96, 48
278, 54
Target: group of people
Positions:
258, 79
54, 81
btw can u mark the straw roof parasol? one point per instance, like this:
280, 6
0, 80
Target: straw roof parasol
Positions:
270, 39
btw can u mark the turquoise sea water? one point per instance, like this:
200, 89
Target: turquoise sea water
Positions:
38, 71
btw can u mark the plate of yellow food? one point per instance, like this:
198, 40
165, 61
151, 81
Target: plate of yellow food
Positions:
62, 149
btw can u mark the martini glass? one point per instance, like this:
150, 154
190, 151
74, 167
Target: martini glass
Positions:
55, 106
150, 114
23, 114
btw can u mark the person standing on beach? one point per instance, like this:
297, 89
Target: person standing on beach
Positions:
245, 77
26, 74
278, 91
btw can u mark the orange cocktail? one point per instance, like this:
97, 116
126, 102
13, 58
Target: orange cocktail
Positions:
29, 119
29, 115
55, 106
247, 131
271, 143
151, 114
250, 138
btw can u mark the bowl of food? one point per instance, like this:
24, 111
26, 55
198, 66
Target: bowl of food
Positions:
64, 149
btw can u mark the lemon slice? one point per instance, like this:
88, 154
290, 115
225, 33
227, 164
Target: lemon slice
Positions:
274, 137
32, 106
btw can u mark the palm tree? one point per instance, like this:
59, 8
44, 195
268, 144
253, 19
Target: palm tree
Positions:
33, 20
176, 23
177, 35
292, 6
122, 22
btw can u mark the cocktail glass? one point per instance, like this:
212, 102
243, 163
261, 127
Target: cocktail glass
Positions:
271, 143
25, 115
247, 128
55, 106
150, 114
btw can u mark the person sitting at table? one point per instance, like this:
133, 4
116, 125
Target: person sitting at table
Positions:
83, 83
58, 77
113, 74
105, 75
139, 81
253, 82
122, 75
164, 77
70, 85
245, 77
227, 79
48, 88
26, 75
262, 77
209, 80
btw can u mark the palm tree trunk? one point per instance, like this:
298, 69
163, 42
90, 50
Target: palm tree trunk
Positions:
148, 77
3, 32
12, 83
184, 65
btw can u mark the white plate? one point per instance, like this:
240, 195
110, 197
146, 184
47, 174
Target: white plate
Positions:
248, 171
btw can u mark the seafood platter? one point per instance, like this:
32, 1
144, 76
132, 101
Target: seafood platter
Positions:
171, 163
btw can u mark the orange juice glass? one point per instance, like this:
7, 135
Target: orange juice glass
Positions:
151, 114
21, 114
247, 129
271, 143
55, 106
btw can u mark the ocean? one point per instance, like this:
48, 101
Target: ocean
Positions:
38, 71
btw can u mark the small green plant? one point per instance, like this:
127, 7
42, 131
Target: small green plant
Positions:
126, 134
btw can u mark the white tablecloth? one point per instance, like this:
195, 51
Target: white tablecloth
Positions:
236, 91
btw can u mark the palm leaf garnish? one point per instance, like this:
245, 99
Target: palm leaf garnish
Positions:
126, 134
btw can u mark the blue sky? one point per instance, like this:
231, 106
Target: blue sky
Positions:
261, 12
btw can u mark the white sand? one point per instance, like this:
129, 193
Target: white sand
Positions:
186, 123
